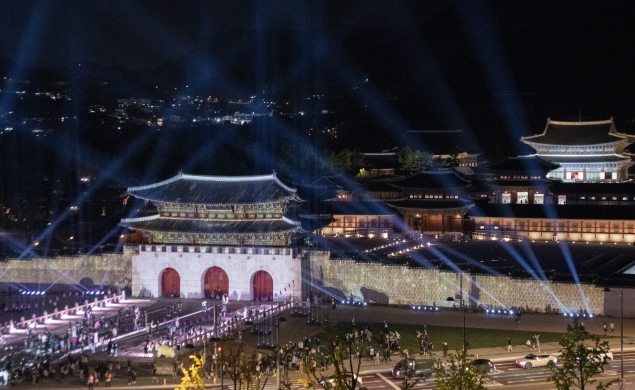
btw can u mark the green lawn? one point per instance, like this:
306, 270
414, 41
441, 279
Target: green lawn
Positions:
477, 338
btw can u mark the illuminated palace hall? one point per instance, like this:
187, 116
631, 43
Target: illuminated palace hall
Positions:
584, 151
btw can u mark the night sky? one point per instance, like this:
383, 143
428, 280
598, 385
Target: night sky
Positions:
570, 56
497, 70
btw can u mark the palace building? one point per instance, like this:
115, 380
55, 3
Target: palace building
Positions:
516, 180
585, 151
217, 235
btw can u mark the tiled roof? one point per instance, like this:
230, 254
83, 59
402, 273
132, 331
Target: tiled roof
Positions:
430, 204
521, 182
593, 188
584, 158
182, 225
442, 179
577, 133
551, 211
215, 190
522, 164
352, 208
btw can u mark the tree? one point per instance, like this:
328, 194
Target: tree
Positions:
345, 370
193, 378
580, 363
348, 160
409, 160
365, 174
458, 374
414, 160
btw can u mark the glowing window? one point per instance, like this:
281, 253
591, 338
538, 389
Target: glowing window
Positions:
562, 199
539, 198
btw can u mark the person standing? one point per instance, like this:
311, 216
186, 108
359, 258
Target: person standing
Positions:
605, 328
509, 344
445, 349
108, 378
612, 326
91, 382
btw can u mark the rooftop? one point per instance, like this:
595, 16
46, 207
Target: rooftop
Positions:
441, 179
215, 190
577, 133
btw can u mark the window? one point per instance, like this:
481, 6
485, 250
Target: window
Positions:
522, 198
562, 199
507, 198
592, 176
555, 175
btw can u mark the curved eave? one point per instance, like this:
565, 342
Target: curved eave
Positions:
197, 226
454, 209
541, 144
219, 206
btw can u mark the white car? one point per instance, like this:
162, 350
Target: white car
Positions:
330, 381
608, 354
532, 360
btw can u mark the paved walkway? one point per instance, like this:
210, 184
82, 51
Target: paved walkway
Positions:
296, 328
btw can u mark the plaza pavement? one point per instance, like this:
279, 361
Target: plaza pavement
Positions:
296, 329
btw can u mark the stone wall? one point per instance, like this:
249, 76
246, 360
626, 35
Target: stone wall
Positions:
104, 269
538, 295
407, 286
381, 284
148, 267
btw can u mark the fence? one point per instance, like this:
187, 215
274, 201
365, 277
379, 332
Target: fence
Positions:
259, 313
59, 314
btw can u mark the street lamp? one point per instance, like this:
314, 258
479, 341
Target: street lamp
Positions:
280, 319
621, 332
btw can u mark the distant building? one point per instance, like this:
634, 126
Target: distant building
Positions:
516, 180
585, 151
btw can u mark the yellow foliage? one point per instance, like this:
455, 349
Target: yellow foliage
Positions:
193, 380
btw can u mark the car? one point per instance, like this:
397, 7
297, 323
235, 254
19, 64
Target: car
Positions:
608, 354
329, 382
532, 360
406, 367
483, 366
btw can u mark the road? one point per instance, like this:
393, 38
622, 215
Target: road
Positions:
507, 375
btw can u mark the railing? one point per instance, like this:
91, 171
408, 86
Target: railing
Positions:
259, 314
59, 314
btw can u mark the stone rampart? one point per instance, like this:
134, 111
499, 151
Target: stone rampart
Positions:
402, 285
104, 269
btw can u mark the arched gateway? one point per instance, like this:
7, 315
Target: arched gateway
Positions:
170, 283
262, 285
216, 283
